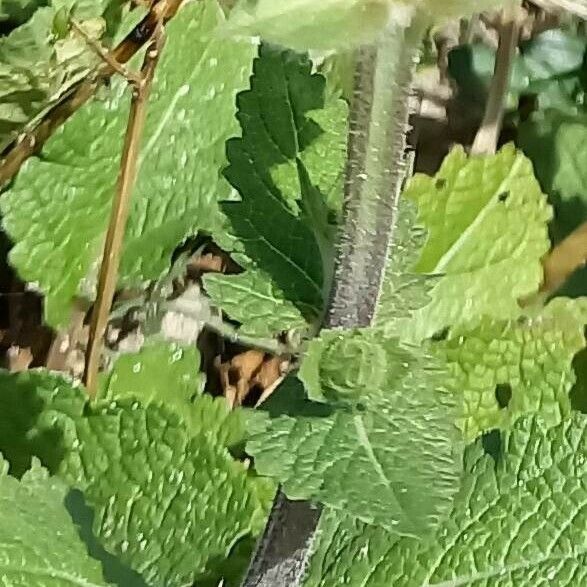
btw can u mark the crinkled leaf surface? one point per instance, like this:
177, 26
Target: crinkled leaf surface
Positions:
32, 407
57, 210
489, 259
505, 370
40, 544
258, 303
287, 167
403, 291
147, 374
167, 502
168, 374
519, 522
384, 451
169, 499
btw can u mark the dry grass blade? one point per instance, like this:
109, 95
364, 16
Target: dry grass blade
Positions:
31, 141
120, 208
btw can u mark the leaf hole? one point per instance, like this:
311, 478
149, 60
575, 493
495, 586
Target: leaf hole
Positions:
491, 442
441, 334
503, 394
503, 196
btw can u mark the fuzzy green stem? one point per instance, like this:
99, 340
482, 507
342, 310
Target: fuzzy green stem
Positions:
375, 173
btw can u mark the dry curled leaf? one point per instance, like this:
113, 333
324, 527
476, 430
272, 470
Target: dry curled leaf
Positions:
18, 359
209, 263
212, 260
248, 371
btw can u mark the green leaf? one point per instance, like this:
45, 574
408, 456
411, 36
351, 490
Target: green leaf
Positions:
515, 522
40, 544
33, 406
555, 142
354, 366
338, 69
488, 258
505, 370
26, 75
168, 374
167, 502
386, 453
337, 24
403, 291
257, 302
169, 499
287, 168
554, 62
146, 375
553, 53
305, 24
548, 67
36, 65
56, 211
84, 9
19, 11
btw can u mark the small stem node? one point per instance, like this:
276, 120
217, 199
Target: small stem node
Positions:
107, 57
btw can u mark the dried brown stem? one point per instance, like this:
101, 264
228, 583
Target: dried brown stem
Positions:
119, 214
32, 140
568, 256
104, 54
486, 139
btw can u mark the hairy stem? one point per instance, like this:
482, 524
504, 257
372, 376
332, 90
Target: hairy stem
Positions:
33, 139
375, 173
119, 214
